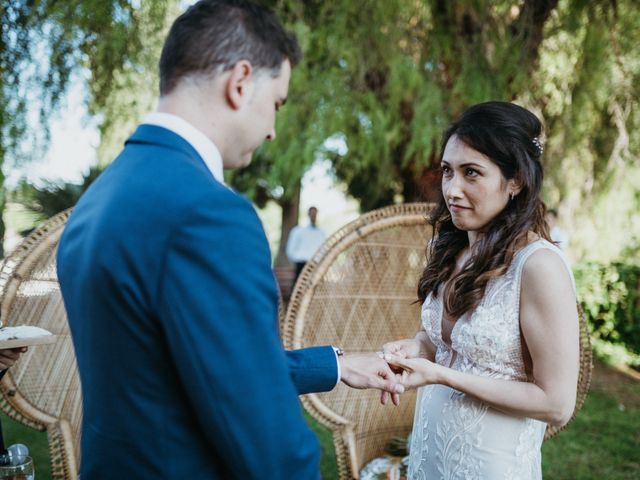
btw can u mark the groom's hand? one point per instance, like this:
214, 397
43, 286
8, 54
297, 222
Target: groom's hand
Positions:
368, 370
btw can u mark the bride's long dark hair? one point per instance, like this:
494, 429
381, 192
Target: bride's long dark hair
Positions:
509, 136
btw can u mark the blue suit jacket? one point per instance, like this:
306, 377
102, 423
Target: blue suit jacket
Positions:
172, 304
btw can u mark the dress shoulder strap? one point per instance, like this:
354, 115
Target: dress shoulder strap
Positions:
521, 258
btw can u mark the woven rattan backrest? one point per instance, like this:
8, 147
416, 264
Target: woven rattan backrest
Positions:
43, 389
358, 292
584, 375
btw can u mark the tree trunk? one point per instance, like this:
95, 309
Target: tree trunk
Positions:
531, 22
290, 212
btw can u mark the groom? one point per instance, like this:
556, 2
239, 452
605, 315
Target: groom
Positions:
166, 276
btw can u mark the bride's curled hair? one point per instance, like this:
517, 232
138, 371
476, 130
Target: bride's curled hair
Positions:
509, 136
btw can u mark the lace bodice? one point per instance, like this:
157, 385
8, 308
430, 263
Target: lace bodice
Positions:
487, 341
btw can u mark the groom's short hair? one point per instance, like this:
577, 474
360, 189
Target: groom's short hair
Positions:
213, 35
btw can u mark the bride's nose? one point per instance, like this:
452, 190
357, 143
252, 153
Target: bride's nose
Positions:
453, 188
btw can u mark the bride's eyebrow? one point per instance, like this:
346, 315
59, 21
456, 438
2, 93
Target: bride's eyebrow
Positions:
473, 165
464, 165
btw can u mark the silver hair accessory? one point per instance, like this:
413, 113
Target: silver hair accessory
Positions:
536, 141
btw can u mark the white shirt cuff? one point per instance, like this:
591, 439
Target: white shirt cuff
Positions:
335, 351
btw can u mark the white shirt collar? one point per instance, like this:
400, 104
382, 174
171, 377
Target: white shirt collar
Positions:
198, 140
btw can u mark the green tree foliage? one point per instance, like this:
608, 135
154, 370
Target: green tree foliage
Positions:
395, 73
588, 90
134, 87
43, 43
51, 198
610, 297
387, 77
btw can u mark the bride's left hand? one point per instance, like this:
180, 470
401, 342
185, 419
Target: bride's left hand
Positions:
416, 372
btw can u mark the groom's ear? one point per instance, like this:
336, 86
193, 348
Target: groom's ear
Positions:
239, 84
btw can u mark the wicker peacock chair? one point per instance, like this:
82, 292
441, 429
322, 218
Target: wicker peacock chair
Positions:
358, 292
43, 389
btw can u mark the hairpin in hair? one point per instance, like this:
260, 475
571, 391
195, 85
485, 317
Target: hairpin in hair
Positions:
536, 141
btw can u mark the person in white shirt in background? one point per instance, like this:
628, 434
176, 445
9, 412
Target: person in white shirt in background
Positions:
304, 242
558, 235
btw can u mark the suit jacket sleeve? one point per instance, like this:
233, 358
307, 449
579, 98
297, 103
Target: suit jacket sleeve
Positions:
313, 369
218, 305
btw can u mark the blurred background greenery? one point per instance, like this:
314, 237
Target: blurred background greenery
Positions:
379, 82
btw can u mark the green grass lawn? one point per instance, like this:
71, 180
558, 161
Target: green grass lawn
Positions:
602, 443
15, 432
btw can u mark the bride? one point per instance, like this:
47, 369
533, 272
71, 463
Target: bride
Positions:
497, 355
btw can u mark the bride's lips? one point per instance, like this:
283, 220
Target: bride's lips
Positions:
457, 208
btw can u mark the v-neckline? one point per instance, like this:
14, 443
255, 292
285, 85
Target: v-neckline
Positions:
441, 320
453, 354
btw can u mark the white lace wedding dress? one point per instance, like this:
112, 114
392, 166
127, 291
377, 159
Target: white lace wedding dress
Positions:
456, 436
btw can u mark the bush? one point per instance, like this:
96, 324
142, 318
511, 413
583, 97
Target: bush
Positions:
610, 297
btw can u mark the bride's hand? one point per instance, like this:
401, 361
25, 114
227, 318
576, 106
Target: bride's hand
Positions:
416, 347
419, 346
416, 372
407, 348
